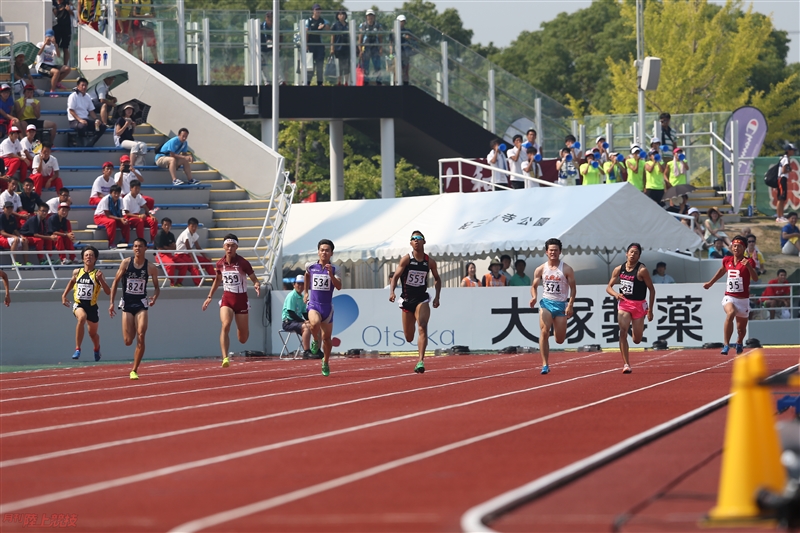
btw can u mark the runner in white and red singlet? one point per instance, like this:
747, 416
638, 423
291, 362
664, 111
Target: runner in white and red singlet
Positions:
740, 271
232, 271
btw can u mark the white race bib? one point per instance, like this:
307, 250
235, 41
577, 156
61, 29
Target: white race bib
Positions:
231, 281
135, 286
552, 287
626, 286
85, 291
735, 281
415, 278
320, 282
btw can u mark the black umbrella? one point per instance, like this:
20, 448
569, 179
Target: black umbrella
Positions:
140, 110
678, 190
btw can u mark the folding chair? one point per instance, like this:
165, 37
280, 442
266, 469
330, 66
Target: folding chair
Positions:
286, 336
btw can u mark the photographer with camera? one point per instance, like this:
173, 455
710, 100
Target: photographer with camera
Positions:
565, 165
128, 174
123, 136
46, 62
655, 176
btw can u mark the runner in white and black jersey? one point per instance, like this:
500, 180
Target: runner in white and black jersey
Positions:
134, 272
413, 275
634, 280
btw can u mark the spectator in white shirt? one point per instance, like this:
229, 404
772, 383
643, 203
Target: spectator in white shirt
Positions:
80, 110
530, 141
46, 62
497, 159
45, 171
127, 173
109, 214
134, 207
102, 185
63, 197
531, 167
660, 274
11, 154
10, 195
516, 156
28, 143
188, 240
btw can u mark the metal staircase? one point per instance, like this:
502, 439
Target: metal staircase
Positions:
269, 243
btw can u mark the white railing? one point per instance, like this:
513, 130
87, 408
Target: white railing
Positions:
759, 305
479, 180
269, 244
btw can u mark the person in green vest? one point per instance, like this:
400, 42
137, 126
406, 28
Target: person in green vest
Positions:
591, 171
678, 169
655, 180
635, 168
519, 279
614, 168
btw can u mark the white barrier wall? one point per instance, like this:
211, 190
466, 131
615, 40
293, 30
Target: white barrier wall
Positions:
493, 318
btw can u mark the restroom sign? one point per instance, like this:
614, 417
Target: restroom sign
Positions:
95, 58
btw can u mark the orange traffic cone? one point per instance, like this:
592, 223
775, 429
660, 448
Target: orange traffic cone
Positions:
751, 458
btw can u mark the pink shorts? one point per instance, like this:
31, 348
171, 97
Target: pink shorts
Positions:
636, 308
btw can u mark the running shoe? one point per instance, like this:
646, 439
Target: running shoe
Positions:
314, 347
420, 368
97, 355
725, 349
77, 354
226, 362
626, 369
546, 369
134, 375
306, 354
192, 182
326, 370
176, 182
739, 349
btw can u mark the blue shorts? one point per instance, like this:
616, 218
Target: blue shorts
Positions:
555, 307
325, 311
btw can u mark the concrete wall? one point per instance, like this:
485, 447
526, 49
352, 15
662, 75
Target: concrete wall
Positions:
228, 148
37, 13
37, 329
776, 331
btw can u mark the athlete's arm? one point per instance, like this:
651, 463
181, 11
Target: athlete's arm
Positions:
644, 275
397, 273
152, 271
214, 286
753, 272
256, 283
306, 286
7, 300
570, 275
69, 287
537, 279
718, 275
336, 280
613, 281
123, 266
437, 282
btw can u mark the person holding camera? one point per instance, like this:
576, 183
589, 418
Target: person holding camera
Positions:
123, 136
591, 171
28, 110
655, 176
565, 166
46, 62
128, 174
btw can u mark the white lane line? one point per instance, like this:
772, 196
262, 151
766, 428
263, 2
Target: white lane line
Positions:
26, 375
144, 476
210, 404
269, 503
229, 423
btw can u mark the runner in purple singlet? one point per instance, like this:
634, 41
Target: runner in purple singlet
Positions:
321, 278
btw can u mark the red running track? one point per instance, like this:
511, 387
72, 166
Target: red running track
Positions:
273, 445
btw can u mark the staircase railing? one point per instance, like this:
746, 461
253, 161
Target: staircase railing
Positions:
269, 244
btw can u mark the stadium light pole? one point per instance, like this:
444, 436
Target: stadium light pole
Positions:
276, 36
640, 67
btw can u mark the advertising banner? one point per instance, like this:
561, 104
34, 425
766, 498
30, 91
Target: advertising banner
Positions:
751, 134
767, 197
493, 318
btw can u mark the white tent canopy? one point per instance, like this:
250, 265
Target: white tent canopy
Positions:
586, 219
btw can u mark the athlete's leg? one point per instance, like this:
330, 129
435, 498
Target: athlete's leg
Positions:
242, 327
727, 328
423, 315
409, 324
141, 331
226, 317
327, 329
624, 319
93, 327
306, 336
638, 330
80, 314
560, 328
128, 328
315, 322
741, 329
545, 323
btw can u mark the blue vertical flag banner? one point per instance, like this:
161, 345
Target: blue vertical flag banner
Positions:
751, 134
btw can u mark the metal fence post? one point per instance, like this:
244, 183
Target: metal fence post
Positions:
445, 74
398, 54
111, 26
610, 135
491, 102
353, 51
713, 158
206, 51
735, 166
180, 16
537, 109
303, 57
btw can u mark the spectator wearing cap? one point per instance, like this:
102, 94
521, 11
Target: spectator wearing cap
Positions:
123, 136
370, 48
28, 110
406, 48
655, 180
165, 242
655, 144
340, 46
135, 211
294, 316
613, 168
82, 117
47, 64
102, 184
59, 226
591, 171
516, 156
697, 227
634, 167
497, 159
753, 252
46, 170
660, 274
176, 153
315, 25
109, 214
104, 104
602, 147
7, 118
678, 169
10, 237
494, 278
31, 202
29, 144
11, 153
784, 169
35, 230
719, 250
127, 174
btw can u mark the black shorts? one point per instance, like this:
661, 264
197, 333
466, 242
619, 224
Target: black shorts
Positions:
783, 188
292, 325
91, 311
655, 194
133, 305
518, 184
63, 37
48, 70
409, 305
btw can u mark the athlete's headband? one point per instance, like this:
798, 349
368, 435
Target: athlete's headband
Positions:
739, 238
230, 241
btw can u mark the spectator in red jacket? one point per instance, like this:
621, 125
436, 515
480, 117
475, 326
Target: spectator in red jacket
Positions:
777, 294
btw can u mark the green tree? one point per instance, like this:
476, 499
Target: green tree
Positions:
448, 21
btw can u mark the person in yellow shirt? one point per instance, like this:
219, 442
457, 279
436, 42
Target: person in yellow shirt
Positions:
635, 168
655, 180
591, 171
27, 109
614, 168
